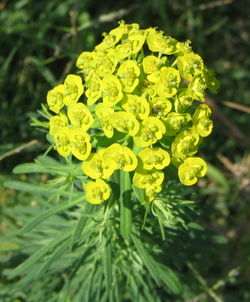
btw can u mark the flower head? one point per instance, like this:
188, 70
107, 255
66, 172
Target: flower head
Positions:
152, 158
73, 89
136, 105
145, 178
128, 74
125, 122
55, 98
151, 130
80, 116
80, 145
120, 157
191, 169
133, 107
97, 191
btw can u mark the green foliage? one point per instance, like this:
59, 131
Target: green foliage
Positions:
78, 246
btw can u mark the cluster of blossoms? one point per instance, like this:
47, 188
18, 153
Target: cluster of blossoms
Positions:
143, 106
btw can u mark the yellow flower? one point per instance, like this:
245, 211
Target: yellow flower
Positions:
93, 89
95, 167
61, 139
151, 64
190, 65
80, 116
183, 48
144, 101
151, 130
175, 121
154, 158
130, 28
160, 106
144, 178
57, 121
191, 169
128, 74
148, 90
85, 62
197, 88
204, 127
55, 98
157, 42
137, 39
136, 105
202, 111
111, 90
185, 144
104, 112
73, 89
112, 38
201, 122
168, 82
120, 157
183, 101
97, 191
105, 63
123, 50
151, 192
79, 143
125, 122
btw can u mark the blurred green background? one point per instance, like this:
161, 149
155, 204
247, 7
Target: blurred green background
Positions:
40, 41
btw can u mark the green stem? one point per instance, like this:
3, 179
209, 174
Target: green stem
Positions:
125, 205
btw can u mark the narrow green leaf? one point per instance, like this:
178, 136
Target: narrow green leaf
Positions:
39, 254
45, 165
81, 223
147, 291
54, 256
107, 266
89, 285
147, 259
216, 175
43, 70
7, 61
45, 215
125, 205
170, 279
30, 168
27, 187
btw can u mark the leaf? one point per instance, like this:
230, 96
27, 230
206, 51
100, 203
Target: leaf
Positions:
107, 266
44, 190
31, 168
216, 175
80, 224
54, 256
43, 70
147, 259
45, 215
38, 255
220, 239
45, 164
170, 279
159, 272
7, 61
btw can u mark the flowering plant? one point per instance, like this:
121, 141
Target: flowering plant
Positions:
129, 126
143, 107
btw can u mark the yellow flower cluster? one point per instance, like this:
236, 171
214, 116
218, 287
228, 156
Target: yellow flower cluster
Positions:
142, 107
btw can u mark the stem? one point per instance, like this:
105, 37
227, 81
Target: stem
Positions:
125, 205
